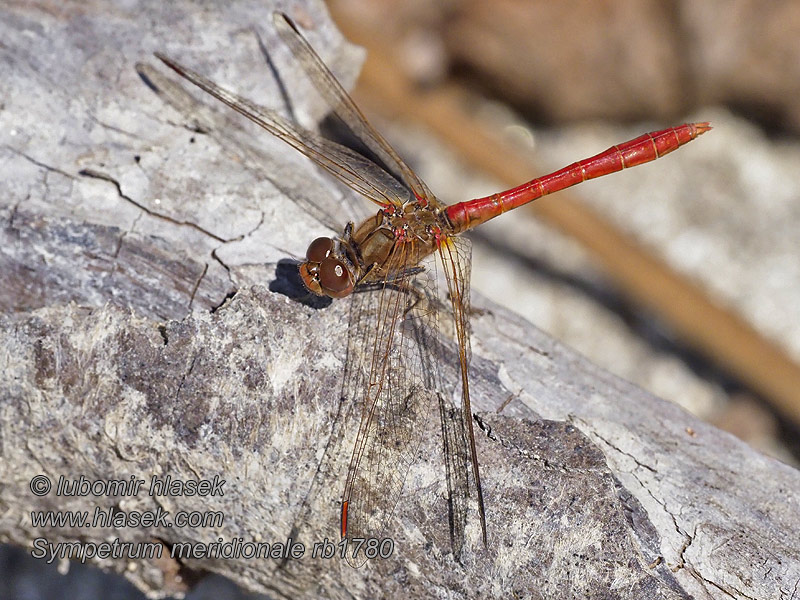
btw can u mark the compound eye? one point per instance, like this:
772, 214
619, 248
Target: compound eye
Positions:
319, 249
334, 278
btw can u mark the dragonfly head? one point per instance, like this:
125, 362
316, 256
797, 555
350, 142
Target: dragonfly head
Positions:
323, 273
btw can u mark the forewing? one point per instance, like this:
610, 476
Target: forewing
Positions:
343, 106
356, 171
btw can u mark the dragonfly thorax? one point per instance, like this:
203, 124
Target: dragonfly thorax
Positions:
385, 245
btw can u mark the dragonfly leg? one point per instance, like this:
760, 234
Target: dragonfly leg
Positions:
405, 274
395, 281
391, 280
362, 284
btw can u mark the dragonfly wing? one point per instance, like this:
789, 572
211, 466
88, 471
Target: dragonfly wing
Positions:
343, 106
328, 212
392, 381
356, 171
454, 255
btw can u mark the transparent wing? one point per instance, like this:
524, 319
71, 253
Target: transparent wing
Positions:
330, 212
393, 380
454, 255
342, 104
398, 334
355, 170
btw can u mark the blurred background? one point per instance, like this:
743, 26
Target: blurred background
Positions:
681, 275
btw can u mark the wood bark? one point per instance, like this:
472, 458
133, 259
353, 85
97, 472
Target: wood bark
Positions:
153, 327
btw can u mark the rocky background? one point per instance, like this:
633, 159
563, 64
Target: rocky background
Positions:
618, 60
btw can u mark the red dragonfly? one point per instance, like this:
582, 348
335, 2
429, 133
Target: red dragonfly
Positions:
394, 257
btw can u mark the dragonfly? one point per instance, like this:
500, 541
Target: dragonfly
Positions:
408, 259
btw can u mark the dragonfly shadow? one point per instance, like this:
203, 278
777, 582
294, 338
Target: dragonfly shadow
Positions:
140, 70
284, 93
456, 454
287, 282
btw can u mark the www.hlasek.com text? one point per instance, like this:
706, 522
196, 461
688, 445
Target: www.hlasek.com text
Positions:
116, 518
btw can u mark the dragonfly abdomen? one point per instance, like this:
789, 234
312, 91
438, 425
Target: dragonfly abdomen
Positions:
645, 148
